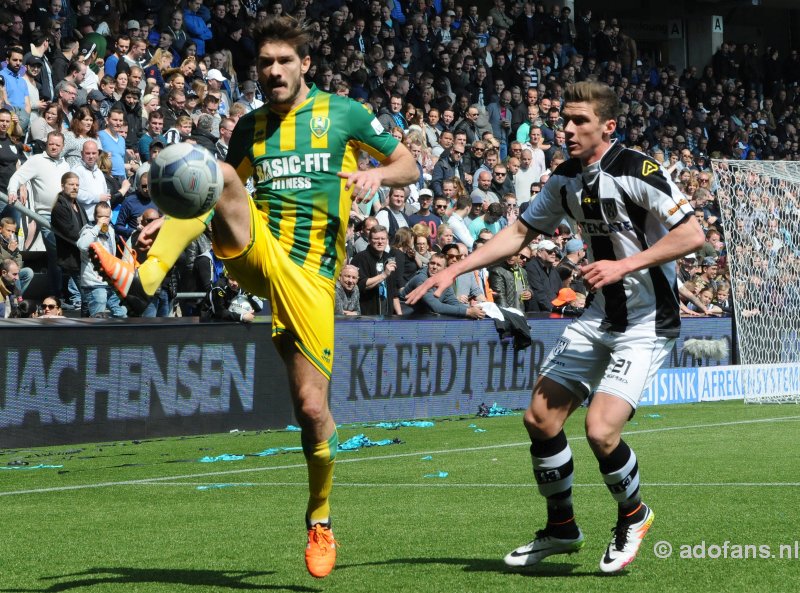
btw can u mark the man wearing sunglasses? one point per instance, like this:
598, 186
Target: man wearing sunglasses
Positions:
130, 214
502, 181
469, 124
160, 303
542, 275
484, 159
449, 165
440, 205
509, 283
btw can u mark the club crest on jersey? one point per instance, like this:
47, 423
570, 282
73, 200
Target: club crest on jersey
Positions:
609, 206
320, 126
560, 347
649, 167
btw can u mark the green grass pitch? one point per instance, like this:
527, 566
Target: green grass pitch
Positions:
129, 517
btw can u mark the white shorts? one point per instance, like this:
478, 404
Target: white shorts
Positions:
586, 360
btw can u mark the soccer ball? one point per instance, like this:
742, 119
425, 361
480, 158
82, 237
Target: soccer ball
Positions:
240, 305
185, 180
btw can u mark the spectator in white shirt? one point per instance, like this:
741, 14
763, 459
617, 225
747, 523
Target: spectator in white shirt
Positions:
93, 188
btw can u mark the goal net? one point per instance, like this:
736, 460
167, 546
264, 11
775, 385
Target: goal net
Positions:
759, 204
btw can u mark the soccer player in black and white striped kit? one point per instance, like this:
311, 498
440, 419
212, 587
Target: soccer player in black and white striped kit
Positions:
636, 223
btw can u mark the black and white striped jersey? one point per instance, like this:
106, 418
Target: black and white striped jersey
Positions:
624, 203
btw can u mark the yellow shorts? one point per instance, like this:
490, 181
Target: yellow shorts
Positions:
302, 302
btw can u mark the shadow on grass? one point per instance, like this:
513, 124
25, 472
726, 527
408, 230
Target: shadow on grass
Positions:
548, 569
161, 576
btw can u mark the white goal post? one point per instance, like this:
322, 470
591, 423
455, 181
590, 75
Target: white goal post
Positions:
759, 204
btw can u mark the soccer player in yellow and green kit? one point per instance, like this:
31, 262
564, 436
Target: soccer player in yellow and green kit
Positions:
287, 242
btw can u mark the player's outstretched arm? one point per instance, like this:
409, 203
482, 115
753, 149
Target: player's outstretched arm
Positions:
685, 237
505, 243
397, 170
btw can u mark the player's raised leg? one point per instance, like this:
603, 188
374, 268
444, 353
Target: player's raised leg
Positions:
231, 230
320, 441
551, 405
604, 423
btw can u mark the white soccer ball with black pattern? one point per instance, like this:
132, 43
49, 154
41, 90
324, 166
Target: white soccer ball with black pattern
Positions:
240, 305
185, 180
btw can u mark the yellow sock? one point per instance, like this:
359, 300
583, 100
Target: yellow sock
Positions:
173, 238
320, 458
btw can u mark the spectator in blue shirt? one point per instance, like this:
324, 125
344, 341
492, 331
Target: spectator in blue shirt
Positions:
196, 25
122, 47
154, 133
113, 142
130, 214
16, 87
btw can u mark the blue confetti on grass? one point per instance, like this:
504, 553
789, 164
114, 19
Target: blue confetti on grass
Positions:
653, 416
480, 430
496, 410
427, 458
362, 441
40, 466
355, 443
293, 428
276, 450
404, 424
436, 475
223, 457
217, 486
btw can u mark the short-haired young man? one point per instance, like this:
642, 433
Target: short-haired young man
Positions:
296, 268
636, 223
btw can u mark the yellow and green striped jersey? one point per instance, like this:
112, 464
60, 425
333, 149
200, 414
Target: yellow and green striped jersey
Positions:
293, 159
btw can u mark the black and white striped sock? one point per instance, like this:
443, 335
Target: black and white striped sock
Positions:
553, 471
621, 474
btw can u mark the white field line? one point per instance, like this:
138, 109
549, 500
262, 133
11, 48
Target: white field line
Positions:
342, 459
434, 484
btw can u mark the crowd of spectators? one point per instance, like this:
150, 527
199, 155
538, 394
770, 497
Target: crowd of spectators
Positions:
480, 107
96, 88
